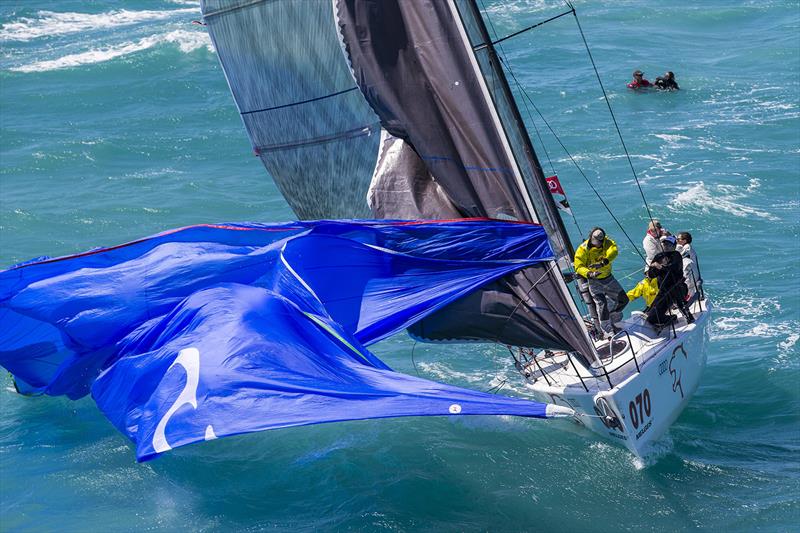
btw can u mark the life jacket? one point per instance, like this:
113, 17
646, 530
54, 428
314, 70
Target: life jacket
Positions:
587, 255
647, 289
639, 84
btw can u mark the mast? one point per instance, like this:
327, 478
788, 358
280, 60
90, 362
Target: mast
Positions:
452, 142
547, 214
416, 64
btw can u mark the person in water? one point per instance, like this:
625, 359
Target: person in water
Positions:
667, 82
638, 81
593, 263
667, 268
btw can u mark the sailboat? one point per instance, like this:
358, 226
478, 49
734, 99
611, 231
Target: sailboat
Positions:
431, 92
390, 128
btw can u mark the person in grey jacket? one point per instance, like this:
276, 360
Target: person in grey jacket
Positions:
691, 268
651, 242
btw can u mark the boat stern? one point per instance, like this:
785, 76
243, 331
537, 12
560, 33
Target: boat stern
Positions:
641, 409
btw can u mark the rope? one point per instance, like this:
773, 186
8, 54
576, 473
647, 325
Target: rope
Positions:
498, 41
611, 111
496, 388
572, 159
527, 99
527, 295
519, 86
541, 141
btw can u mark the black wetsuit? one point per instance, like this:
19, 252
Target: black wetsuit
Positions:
666, 84
671, 288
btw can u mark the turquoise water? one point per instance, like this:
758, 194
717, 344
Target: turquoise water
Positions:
118, 124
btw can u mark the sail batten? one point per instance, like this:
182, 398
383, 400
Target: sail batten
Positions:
301, 102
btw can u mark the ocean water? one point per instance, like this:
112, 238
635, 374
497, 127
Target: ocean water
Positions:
116, 122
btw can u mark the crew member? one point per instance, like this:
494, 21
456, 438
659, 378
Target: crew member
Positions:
651, 242
647, 289
691, 268
638, 81
593, 262
667, 268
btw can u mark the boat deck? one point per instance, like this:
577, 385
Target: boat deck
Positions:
630, 349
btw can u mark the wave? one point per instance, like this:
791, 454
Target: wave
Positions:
50, 23
187, 41
674, 138
720, 198
743, 316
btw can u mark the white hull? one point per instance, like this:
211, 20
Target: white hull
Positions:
638, 406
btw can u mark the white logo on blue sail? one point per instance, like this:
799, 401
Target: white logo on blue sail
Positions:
189, 359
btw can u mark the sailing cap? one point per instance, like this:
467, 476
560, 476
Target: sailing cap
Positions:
670, 239
597, 236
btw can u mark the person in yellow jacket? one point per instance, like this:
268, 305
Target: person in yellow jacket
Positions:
647, 289
593, 263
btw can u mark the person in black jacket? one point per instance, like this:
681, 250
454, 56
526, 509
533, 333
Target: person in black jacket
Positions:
666, 82
667, 267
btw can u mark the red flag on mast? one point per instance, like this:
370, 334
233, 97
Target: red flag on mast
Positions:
555, 185
555, 188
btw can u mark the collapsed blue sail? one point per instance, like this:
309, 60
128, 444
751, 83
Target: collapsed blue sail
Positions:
208, 331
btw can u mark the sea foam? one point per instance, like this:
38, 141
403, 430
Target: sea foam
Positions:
719, 198
187, 41
51, 23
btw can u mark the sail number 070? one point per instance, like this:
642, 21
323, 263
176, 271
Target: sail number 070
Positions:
639, 408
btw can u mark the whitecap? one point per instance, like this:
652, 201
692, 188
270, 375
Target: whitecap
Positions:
746, 316
187, 41
510, 11
718, 198
789, 342
50, 23
671, 138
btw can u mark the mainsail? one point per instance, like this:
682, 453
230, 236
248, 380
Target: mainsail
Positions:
452, 142
307, 121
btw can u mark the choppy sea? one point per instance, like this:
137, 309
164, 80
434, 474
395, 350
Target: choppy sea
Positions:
116, 122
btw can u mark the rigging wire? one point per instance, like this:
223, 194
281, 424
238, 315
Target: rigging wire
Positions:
527, 110
571, 158
500, 54
527, 99
498, 41
611, 111
541, 141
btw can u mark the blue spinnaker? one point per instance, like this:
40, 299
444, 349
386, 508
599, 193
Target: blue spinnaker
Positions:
217, 330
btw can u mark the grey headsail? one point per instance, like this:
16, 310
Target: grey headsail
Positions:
417, 65
307, 120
